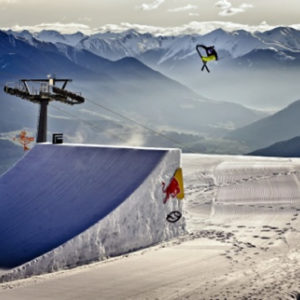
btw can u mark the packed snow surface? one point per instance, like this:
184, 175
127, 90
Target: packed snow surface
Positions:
242, 217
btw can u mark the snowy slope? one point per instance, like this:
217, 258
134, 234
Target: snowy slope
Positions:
117, 46
283, 38
49, 36
86, 203
56, 37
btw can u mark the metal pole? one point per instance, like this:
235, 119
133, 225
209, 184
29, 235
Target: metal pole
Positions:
42, 126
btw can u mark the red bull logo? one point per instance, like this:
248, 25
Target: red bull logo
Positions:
175, 187
172, 189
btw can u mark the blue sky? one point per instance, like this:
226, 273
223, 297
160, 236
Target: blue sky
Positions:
93, 14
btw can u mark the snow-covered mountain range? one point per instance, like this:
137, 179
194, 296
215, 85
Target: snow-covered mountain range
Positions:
112, 45
246, 58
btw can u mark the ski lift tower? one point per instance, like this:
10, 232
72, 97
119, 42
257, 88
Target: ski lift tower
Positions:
46, 92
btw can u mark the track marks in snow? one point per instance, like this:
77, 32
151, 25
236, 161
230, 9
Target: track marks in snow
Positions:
253, 207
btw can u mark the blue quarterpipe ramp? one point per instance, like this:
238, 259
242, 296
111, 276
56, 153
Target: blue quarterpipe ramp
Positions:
58, 191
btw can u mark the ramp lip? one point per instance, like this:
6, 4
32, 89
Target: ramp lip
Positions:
109, 146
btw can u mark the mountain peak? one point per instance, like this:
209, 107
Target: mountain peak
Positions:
130, 32
281, 29
217, 32
50, 32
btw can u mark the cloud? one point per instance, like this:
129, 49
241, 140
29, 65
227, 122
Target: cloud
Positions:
230, 11
60, 27
226, 8
183, 8
154, 5
189, 28
223, 4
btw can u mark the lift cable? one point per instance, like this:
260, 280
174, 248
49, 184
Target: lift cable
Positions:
177, 143
89, 123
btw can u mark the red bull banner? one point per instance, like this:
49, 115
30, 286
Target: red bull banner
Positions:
175, 187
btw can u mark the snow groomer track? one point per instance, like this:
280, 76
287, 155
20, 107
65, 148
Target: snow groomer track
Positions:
83, 203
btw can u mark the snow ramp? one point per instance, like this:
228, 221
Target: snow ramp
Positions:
65, 205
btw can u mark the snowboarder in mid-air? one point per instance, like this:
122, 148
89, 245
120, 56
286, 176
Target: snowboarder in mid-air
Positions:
211, 54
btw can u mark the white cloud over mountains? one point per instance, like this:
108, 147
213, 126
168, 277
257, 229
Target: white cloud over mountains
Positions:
190, 28
183, 8
226, 8
60, 27
151, 6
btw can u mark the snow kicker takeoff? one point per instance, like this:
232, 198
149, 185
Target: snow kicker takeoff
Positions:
211, 55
